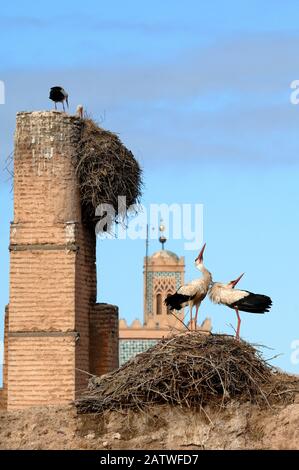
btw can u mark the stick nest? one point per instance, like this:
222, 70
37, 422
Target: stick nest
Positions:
106, 169
191, 369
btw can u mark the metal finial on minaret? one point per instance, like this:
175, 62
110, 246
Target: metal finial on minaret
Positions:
162, 238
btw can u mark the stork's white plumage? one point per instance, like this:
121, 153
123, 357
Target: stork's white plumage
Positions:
80, 111
239, 300
193, 293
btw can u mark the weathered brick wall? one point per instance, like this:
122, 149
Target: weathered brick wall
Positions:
41, 370
45, 187
52, 311
3, 390
85, 296
104, 336
52, 272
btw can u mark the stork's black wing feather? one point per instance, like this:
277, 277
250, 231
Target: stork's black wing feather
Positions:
56, 94
253, 303
176, 301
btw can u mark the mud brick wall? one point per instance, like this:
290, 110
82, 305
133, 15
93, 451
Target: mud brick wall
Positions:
104, 355
85, 298
52, 266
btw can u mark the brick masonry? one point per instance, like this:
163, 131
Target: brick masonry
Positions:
103, 348
52, 270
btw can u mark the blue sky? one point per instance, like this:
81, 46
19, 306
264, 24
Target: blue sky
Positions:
200, 92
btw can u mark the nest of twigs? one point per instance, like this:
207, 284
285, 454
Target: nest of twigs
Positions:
106, 170
190, 370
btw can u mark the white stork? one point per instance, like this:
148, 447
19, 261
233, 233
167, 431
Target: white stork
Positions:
59, 95
192, 293
79, 111
239, 300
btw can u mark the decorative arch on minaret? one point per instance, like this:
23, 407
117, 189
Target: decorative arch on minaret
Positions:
163, 286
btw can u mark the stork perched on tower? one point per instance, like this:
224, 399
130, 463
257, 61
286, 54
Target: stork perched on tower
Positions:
79, 111
193, 293
59, 95
239, 300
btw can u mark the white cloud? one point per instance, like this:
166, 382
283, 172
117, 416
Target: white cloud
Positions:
227, 101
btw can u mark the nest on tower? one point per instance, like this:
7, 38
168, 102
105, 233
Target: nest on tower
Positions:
191, 370
106, 169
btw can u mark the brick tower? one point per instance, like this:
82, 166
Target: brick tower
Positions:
52, 306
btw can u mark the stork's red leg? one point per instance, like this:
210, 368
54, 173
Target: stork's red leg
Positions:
196, 314
191, 319
239, 324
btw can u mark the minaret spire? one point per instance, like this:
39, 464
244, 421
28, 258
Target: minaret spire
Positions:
162, 238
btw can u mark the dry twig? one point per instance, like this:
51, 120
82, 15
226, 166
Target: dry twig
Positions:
106, 169
190, 369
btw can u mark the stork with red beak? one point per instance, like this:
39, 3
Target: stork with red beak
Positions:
239, 300
193, 293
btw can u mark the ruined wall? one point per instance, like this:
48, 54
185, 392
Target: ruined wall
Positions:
52, 266
85, 298
103, 339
